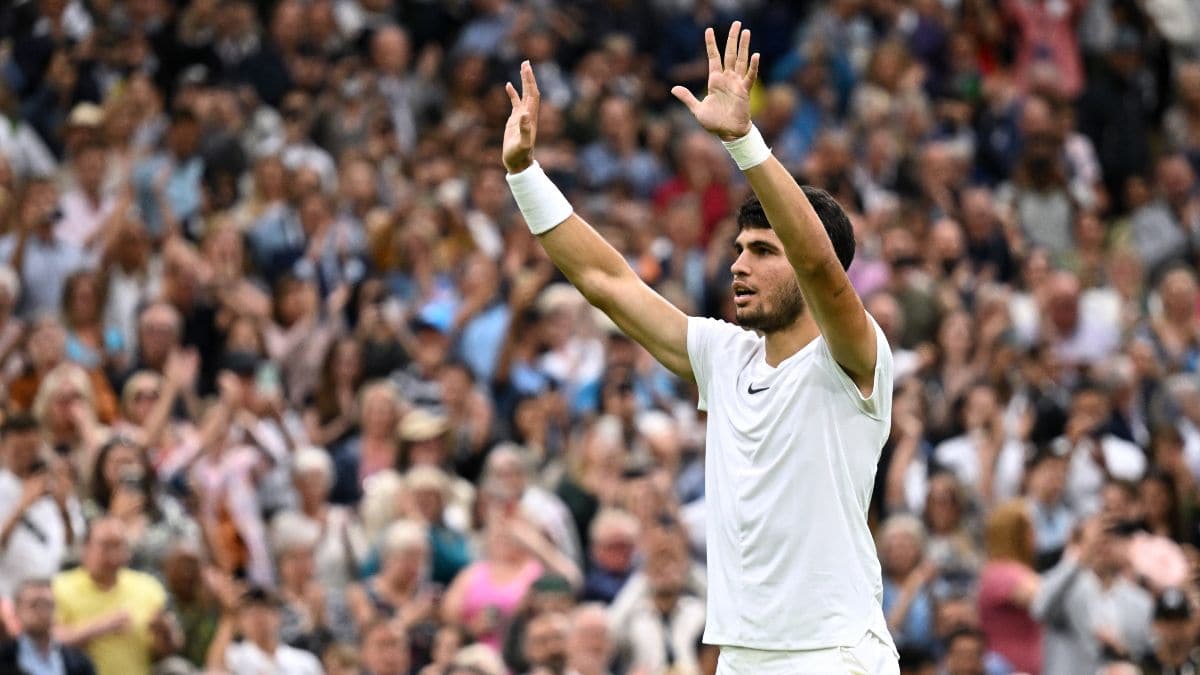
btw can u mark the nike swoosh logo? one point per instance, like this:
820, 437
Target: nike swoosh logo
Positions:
752, 391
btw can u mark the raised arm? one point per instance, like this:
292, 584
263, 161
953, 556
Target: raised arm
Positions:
725, 111
590, 263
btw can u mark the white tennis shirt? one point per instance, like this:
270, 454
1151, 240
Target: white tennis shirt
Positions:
790, 466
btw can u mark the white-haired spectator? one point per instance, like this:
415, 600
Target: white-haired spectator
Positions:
385, 498
401, 589
309, 612
342, 545
613, 546
508, 471
589, 642
907, 600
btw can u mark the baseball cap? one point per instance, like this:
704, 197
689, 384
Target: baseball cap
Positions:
1172, 605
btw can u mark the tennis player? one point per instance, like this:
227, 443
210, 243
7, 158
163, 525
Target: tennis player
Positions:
798, 394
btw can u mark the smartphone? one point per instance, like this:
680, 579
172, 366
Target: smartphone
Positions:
266, 380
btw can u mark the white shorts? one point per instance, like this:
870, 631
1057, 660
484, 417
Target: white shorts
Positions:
871, 656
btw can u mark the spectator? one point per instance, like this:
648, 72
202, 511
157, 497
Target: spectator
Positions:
35, 650
1162, 231
1089, 606
965, 650
41, 518
589, 647
545, 648
906, 579
309, 612
1008, 586
125, 487
1053, 520
258, 621
42, 258
615, 156
384, 648
1174, 640
449, 547
342, 546
86, 206
665, 625
399, 591
1094, 453
167, 184
507, 470
118, 616
614, 538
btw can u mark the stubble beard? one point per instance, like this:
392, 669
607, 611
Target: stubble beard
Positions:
787, 305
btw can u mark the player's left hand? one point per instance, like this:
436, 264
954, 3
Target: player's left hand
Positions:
725, 110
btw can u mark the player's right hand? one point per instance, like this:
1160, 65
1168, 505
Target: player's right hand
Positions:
521, 130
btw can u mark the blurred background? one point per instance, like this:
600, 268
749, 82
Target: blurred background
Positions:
287, 385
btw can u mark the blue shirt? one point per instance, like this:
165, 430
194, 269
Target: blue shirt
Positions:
182, 190
44, 270
31, 661
917, 629
481, 341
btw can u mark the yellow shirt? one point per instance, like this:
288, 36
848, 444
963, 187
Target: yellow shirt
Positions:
80, 602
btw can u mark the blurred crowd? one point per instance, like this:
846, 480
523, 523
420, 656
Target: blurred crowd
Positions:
288, 387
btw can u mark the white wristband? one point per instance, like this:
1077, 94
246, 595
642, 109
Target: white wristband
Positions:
542, 204
748, 151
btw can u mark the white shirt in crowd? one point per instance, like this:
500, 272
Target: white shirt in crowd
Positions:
1085, 478
961, 456
37, 546
791, 457
81, 217
246, 658
657, 643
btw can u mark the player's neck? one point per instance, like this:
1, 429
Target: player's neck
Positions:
787, 341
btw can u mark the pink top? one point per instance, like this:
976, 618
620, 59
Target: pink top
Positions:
485, 594
1010, 630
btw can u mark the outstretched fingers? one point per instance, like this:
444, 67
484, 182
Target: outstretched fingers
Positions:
741, 64
731, 45
529, 84
512, 95
688, 98
714, 54
753, 74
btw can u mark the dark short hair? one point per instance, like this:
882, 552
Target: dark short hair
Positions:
19, 423
833, 217
969, 632
259, 596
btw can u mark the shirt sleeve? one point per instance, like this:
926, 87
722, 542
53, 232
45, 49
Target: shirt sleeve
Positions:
702, 335
879, 404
